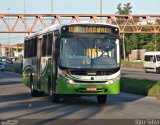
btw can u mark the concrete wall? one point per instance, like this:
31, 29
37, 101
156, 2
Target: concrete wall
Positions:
136, 54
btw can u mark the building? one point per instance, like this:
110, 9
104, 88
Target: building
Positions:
10, 50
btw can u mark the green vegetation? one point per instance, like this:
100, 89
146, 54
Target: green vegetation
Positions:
131, 63
142, 41
143, 87
150, 42
155, 90
126, 9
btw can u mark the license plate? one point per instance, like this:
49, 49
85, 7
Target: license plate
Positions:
91, 89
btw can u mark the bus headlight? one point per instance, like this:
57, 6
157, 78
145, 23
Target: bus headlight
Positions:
111, 81
70, 81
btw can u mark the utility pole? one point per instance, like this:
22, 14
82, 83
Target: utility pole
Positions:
101, 10
124, 49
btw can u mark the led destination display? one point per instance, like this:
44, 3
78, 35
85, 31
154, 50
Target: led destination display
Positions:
89, 29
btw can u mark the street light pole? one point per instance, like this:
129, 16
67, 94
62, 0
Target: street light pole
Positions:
9, 36
155, 49
124, 49
24, 7
51, 10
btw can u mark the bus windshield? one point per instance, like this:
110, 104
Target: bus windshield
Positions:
92, 53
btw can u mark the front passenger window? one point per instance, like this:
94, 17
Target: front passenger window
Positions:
154, 59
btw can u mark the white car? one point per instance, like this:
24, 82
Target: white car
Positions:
1, 66
152, 62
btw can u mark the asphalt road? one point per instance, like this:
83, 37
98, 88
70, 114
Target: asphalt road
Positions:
15, 102
15, 65
140, 75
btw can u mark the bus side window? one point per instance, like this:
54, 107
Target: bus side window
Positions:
49, 45
44, 45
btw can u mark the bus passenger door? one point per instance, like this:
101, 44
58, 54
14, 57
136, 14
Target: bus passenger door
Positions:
38, 67
54, 62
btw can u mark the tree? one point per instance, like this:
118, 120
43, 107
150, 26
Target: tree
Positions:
119, 8
126, 9
149, 47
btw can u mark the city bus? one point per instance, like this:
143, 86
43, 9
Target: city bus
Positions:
79, 59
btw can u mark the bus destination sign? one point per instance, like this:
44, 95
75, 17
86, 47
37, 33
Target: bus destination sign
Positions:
88, 29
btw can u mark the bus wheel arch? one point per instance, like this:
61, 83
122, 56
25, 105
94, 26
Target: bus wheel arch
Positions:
33, 91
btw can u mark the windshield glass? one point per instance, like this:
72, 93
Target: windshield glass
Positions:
97, 53
158, 57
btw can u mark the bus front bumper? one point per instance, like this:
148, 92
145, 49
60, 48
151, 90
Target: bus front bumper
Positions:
87, 89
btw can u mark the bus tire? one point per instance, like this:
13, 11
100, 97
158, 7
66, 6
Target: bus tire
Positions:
34, 93
101, 99
54, 97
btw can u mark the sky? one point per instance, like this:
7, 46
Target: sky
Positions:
71, 7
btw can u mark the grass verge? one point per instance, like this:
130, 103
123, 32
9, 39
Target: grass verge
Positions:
131, 63
138, 86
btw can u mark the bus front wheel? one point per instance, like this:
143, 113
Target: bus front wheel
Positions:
54, 97
101, 99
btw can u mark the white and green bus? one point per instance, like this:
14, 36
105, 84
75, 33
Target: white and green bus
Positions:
80, 59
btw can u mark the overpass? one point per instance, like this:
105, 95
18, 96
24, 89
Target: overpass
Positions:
29, 23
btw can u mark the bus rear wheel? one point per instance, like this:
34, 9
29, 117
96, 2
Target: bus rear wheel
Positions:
101, 99
34, 93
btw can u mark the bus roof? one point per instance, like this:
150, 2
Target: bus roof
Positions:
152, 53
58, 26
45, 30
87, 22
